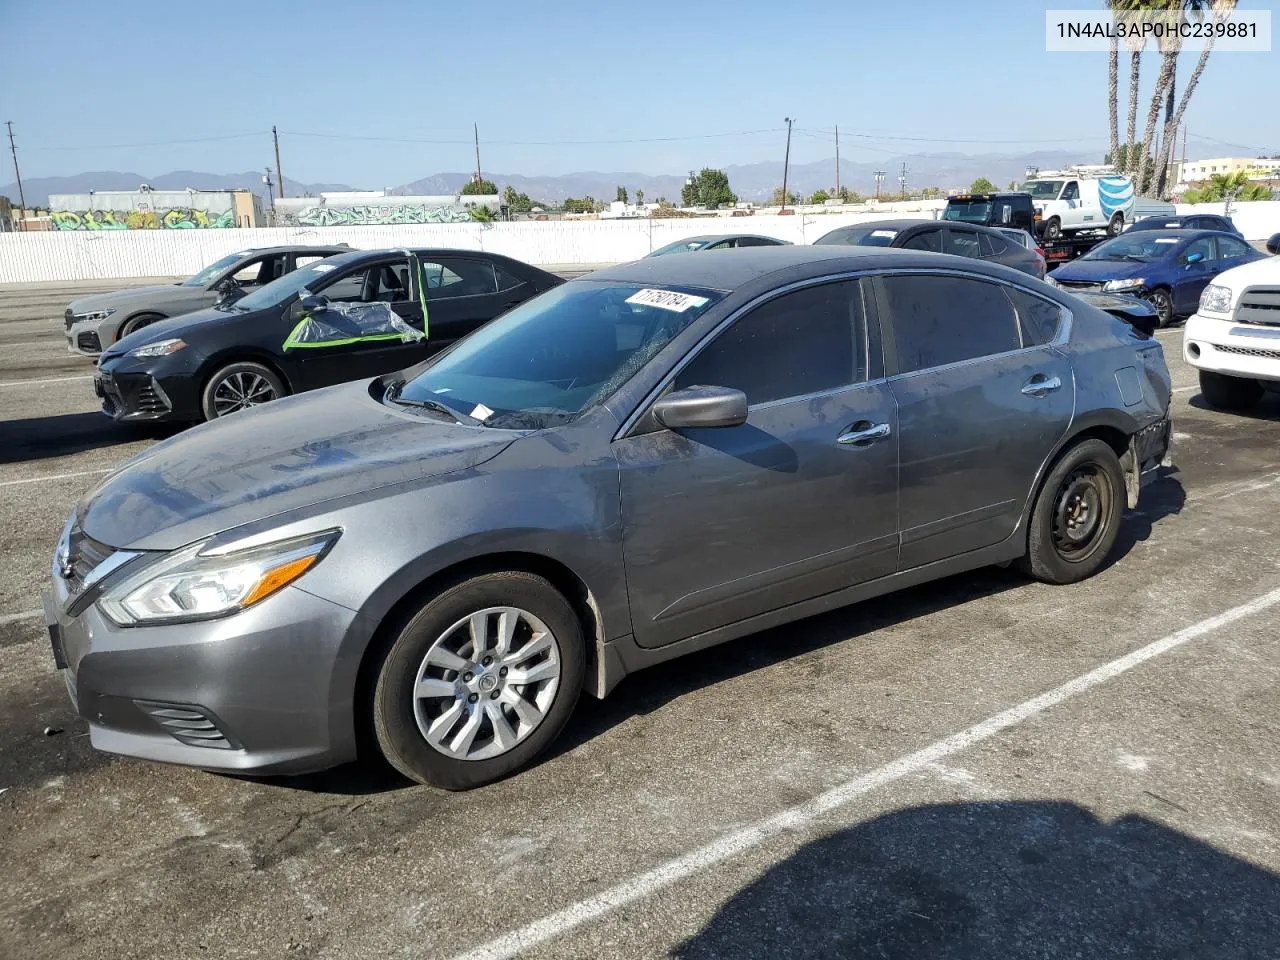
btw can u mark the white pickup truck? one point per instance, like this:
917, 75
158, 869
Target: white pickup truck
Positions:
1234, 337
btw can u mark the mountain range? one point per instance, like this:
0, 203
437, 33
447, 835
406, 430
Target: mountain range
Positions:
754, 181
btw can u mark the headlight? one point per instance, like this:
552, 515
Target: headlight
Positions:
93, 315
1050, 281
1133, 283
190, 585
1215, 299
161, 348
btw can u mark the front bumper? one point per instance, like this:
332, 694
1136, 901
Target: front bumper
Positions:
253, 692
84, 338
140, 394
1232, 349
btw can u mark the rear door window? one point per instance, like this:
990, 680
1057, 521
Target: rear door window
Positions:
963, 243
925, 240
447, 277
991, 246
1038, 318
937, 320
1229, 248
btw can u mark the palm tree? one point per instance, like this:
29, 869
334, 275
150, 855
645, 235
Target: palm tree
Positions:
1170, 45
1135, 45
1113, 86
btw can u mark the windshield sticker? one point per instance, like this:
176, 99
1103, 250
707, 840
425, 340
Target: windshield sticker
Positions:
322, 267
666, 300
884, 233
481, 413
1166, 239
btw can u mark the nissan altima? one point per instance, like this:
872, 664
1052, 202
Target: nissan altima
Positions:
648, 461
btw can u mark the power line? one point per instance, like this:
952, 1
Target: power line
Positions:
161, 143
531, 143
822, 134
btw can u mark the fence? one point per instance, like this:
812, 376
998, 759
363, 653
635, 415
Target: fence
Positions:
28, 257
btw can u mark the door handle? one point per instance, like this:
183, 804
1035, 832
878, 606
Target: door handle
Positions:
863, 433
1040, 385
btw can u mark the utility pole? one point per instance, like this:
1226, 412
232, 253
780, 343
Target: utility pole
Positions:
22, 200
279, 171
786, 163
902, 180
476, 127
837, 160
879, 175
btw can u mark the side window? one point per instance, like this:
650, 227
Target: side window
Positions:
939, 320
506, 279
1038, 319
255, 273
1071, 191
452, 277
753, 242
991, 246
1229, 247
926, 240
1203, 246
351, 288
391, 282
795, 344
722, 245
307, 259
963, 243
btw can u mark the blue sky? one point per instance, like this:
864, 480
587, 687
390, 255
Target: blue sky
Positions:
87, 84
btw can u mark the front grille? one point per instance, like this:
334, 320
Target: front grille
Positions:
1248, 351
1080, 285
1259, 305
186, 724
88, 340
149, 400
86, 554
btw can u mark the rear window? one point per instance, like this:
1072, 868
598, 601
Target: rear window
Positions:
971, 211
868, 235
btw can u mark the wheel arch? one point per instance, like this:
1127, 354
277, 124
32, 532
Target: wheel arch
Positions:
144, 312
243, 355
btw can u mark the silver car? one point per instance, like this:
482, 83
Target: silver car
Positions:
651, 460
95, 323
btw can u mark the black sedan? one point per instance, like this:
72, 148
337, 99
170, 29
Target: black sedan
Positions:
1189, 221
722, 241
355, 315
939, 236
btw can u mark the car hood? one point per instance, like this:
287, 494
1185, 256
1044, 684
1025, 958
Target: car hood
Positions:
184, 326
290, 454
1266, 270
1099, 271
130, 297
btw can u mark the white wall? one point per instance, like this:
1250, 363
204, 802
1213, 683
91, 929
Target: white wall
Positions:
26, 257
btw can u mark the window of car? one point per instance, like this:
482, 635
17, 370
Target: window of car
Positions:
1038, 318
925, 240
506, 279
1229, 247
457, 277
261, 271
1071, 191
991, 246
206, 275
937, 320
1202, 246
962, 243
794, 345
755, 242
301, 260
728, 244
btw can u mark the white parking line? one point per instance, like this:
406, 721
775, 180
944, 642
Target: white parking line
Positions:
7, 618
1185, 389
56, 476
23, 383
803, 815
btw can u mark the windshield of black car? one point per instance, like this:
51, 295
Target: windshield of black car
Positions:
212, 270
311, 278
1140, 249
1043, 189
868, 236
680, 246
972, 211
555, 355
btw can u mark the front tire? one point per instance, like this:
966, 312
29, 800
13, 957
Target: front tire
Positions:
239, 386
1076, 516
1052, 228
1163, 303
480, 681
1229, 393
134, 324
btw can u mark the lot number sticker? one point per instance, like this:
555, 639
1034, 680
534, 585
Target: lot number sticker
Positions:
666, 300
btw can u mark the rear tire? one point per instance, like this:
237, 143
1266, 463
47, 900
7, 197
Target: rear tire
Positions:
436, 652
1076, 516
1229, 393
1052, 228
1116, 226
134, 324
251, 382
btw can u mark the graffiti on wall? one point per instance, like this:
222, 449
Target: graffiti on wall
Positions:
177, 218
382, 213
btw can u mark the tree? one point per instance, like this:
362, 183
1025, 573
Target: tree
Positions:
709, 189
481, 214
1222, 186
982, 185
851, 196
517, 202
479, 187
1013, 185
776, 199
933, 193
1128, 156
509, 197
1136, 42
622, 194
819, 196
639, 198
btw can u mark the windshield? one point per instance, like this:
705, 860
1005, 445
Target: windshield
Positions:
1043, 189
212, 270
868, 236
552, 357
1157, 223
1146, 249
681, 246
278, 291
972, 211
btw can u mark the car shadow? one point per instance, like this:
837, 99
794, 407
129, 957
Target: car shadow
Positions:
39, 438
1267, 409
991, 881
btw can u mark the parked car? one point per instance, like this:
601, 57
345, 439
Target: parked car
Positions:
660, 457
100, 320
347, 317
1234, 337
1167, 267
1005, 209
1190, 221
730, 241
963, 240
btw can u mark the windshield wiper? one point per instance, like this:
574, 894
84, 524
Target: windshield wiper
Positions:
393, 395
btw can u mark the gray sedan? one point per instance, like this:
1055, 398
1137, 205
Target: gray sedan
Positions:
654, 459
943, 236
94, 323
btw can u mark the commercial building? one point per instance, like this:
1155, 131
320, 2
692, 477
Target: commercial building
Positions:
1260, 169
148, 209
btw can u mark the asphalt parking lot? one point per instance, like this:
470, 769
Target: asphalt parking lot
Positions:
980, 767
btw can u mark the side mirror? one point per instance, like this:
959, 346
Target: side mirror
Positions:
702, 407
1194, 258
1273, 245
308, 306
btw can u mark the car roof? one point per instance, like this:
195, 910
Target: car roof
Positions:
294, 248
736, 268
1182, 233
899, 223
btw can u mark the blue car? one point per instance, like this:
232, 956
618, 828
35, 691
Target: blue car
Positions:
1168, 268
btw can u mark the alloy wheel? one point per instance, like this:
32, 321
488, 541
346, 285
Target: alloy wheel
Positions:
239, 391
486, 683
1163, 304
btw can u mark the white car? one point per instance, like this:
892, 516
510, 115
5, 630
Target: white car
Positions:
1234, 337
